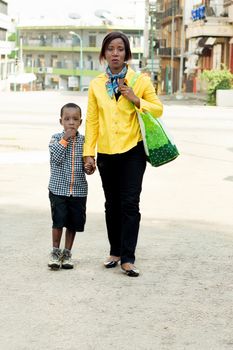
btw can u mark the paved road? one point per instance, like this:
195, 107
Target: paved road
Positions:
183, 298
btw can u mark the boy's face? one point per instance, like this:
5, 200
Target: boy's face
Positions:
71, 118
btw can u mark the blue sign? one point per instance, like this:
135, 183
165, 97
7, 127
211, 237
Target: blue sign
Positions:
198, 13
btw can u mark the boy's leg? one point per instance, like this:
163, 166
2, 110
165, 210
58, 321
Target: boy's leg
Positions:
56, 236
59, 214
69, 239
75, 221
59, 217
56, 253
66, 254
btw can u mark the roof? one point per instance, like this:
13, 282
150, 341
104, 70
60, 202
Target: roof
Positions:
82, 23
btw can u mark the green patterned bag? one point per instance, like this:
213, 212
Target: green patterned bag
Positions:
158, 145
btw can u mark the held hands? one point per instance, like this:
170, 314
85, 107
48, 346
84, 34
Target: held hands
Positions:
70, 133
89, 165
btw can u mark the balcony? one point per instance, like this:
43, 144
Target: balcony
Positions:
215, 22
209, 29
62, 71
167, 51
159, 7
228, 2
172, 11
53, 45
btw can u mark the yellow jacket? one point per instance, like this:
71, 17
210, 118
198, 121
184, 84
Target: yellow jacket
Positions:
112, 124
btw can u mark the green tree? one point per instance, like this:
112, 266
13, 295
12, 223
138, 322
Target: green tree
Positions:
12, 38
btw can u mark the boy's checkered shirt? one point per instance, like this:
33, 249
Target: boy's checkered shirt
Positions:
61, 181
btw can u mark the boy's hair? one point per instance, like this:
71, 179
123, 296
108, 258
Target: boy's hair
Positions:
71, 105
115, 35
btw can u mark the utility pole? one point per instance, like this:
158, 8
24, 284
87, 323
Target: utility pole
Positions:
172, 45
146, 33
21, 63
182, 45
80, 58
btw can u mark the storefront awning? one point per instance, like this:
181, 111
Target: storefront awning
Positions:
210, 41
201, 41
203, 44
200, 45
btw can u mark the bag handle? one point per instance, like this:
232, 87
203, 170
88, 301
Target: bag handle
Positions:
134, 79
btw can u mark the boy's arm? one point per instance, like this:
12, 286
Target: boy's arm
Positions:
57, 149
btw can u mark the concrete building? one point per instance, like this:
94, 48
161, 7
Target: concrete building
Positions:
6, 66
210, 37
171, 22
66, 55
153, 61
194, 35
228, 5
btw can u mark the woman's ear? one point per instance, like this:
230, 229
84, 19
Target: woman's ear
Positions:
60, 120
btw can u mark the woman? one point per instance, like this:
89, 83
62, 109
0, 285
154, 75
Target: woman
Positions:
112, 125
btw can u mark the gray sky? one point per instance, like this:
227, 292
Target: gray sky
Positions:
32, 9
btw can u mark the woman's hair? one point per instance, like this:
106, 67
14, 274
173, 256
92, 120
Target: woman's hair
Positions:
71, 105
115, 35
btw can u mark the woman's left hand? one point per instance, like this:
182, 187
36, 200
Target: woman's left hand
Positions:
128, 93
89, 164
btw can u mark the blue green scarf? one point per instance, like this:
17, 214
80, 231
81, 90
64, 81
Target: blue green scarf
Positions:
112, 83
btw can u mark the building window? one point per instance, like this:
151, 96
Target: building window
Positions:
43, 40
92, 40
28, 60
54, 61
2, 34
3, 7
41, 61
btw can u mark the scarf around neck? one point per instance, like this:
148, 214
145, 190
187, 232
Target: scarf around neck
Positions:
112, 84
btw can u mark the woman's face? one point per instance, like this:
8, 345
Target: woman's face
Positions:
115, 55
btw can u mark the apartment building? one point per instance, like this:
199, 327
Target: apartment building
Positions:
228, 6
210, 38
6, 66
171, 22
153, 61
66, 56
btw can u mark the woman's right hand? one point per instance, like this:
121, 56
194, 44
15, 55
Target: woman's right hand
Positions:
89, 164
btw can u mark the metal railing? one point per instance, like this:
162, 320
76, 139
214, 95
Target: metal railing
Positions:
227, 2
172, 11
212, 10
167, 51
215, 11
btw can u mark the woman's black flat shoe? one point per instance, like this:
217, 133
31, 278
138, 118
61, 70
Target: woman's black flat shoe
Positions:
131, 273
110, 264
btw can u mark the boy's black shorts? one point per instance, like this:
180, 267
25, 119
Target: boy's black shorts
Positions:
69, 212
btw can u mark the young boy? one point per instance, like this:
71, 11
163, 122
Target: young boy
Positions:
67, 185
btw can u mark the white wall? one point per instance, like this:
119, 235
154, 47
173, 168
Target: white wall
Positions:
224, 98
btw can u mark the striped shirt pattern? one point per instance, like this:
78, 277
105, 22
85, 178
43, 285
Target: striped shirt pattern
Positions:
67, 176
